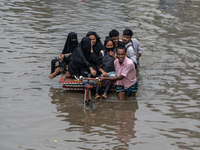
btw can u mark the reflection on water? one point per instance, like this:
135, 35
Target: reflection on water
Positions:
111, 119
35, 111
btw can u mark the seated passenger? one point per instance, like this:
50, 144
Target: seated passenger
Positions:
83, 59
61, 65
132, 46
97, 46
114, 34
106, 67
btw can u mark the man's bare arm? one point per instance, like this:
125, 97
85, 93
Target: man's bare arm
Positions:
112, 78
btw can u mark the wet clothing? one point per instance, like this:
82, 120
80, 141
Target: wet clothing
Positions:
126, 69
82, 58
132, 89
98, 45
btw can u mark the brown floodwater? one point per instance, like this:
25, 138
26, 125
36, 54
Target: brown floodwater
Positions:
37, 114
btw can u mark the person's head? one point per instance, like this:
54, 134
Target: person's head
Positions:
121, 54
86, 44
71, 43
127, 35
114, 34
72, 36
93, 37
109, 44
74, 39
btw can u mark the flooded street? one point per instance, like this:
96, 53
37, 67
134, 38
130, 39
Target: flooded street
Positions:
37, 114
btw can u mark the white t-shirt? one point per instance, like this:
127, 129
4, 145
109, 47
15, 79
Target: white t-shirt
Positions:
131, 53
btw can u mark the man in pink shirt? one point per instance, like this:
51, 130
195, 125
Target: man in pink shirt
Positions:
126, 75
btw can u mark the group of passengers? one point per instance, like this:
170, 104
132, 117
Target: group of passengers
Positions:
116, 60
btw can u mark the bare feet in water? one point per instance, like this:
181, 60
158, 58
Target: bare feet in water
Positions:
57, 71
51, 76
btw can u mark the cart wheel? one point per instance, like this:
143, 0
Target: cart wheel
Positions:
91, 107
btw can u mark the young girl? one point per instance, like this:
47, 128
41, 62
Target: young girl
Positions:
106, 67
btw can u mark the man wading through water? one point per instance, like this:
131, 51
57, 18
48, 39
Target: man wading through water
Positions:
126, 75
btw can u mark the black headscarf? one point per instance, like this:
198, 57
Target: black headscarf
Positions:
80, 56
70, 45
85, 46
98, 46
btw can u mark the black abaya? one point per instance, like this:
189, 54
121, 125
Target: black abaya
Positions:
69, 47
82, 58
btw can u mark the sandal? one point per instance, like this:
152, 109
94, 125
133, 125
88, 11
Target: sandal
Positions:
97, 96
104, 96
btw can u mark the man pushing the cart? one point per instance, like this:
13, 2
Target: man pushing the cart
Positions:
126, 75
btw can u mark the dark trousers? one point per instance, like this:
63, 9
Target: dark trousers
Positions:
106, 88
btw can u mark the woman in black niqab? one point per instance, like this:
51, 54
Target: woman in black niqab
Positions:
82, 59
98, 46
86, 46
71, 43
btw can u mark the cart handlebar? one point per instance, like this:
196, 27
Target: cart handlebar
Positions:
86, 79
